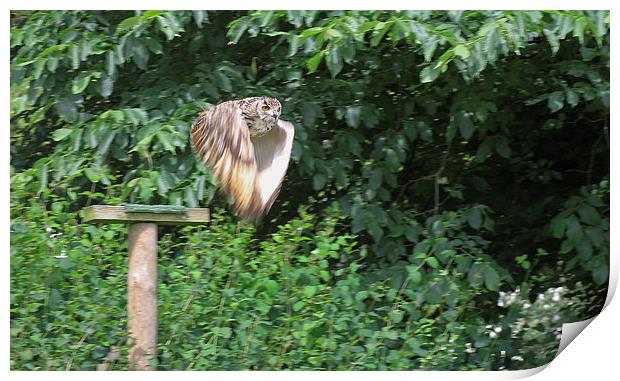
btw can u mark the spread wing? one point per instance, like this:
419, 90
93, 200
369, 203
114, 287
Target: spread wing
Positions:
273, 153
220, 137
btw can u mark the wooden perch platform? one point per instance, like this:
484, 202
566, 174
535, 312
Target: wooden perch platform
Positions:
142, 267
159, 214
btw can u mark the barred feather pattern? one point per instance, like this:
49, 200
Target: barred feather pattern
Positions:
247, 149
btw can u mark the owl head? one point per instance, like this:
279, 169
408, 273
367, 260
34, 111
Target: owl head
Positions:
268, 109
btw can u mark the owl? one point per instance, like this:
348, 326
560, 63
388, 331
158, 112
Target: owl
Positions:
247, 147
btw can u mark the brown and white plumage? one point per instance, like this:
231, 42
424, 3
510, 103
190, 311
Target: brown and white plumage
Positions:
248, 148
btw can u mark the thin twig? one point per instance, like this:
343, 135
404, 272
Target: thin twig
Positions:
93, 187
79, 344
438, 174
592, 156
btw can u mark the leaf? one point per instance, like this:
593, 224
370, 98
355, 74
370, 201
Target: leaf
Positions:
433, 294
141, 56
43, 176
352, 116
376, 176
429, 73
166, 26
555, 101
412, 233
558, 228
318, 181
294, 42
225, 332
600, 273
309, 291
450, 131
375, 230
311, 32
466, 126
67, 109
414, 274
502, 147
380, 31
589, 215
484, 149
150, 14
200, 17
474, 218
361, 296
80, 83
236, 30
553, 40
313, 63
92, 175
110, 63
428, 47
475, 274
153, 44
104, 145
61, 133
308, 113
136, 115
574, 233
26, 355
189, 195
597, 236
333, 60
127, 24
223, 81
432, 262
462, 51
74, 53
106, 86
584, 250
491, 278
396, 316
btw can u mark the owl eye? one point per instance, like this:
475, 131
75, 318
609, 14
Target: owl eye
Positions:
266, 108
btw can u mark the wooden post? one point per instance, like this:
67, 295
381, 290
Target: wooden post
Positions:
142, 267
142, 295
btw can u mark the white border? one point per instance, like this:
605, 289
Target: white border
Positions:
592, 353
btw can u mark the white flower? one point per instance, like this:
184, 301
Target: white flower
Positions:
492, 334
498, 329
469, 348
546, 306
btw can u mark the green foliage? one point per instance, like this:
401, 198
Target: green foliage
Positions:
440, 158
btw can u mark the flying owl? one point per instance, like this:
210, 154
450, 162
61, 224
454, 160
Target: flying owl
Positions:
248, 148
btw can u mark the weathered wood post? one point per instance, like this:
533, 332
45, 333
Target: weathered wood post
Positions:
142, 267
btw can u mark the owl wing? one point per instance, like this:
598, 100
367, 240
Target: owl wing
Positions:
220, 137
273, 153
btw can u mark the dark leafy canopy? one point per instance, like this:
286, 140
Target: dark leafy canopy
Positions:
440, 157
